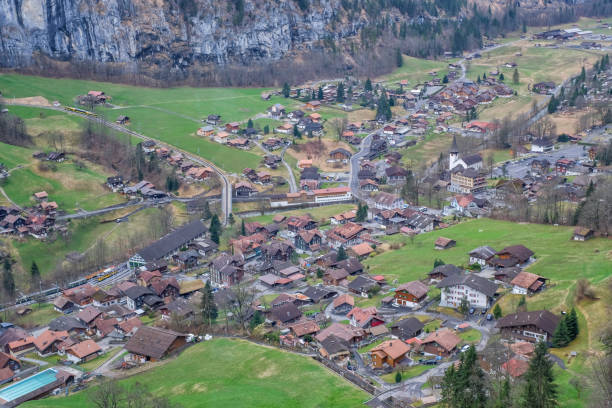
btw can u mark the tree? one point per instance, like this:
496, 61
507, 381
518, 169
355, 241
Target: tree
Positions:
320, 93
256, 320
296, 132
464, 306
438, 262
522, 304
553, 104
515, 76
561, 337
109, 394
215, 229
341, 256
266, 129
250, 124
466, 385
398, 377
209, 307
206, 214
231, 219
8, 282
242, 229
286, 90
362, 212
540, 390
34, 272
399, 61
497, 312
572, 324
340, 92
368, 85
501, 76
445, 79
383, 109
240, 306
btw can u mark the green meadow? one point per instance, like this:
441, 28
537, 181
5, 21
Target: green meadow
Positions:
225, 373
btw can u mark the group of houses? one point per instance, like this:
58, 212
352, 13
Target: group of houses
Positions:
35, 221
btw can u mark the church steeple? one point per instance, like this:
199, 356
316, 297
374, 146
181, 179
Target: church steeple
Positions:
454, 149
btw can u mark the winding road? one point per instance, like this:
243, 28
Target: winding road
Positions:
226, 197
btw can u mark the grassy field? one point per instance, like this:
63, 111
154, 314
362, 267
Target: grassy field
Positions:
172, 115
409, 372
41, 315
98, 361
416, 71
236, 370
558, 258
318, 213
470, 336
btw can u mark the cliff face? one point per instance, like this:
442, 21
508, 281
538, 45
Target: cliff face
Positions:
158, 32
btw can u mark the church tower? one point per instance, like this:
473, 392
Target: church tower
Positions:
453, 155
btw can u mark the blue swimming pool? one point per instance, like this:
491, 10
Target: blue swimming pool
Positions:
28, 385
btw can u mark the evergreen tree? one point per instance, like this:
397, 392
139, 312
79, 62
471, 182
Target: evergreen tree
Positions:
341, 254
399, 61
524, 27
266, 129
286, 90
540, 390
553, 104
497, 312
561, 337
8, 282
590, 189
296, 132
438, 262
320, 93
383, 109
250, 124
214, 236
515, 76
242, 229
465, 386
398, 377
368, 85
313, 96
484, 76
501, 76
572, 324
215, 229
34, 272
206, 214
209, 307
445, 79
478, 79
340, 92
231, 219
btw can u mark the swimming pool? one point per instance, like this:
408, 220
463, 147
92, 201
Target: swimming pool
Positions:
28, 385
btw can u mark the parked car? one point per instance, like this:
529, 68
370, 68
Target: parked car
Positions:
471, 310
489, 316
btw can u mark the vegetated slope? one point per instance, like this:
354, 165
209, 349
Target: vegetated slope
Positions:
225, 373
180, 40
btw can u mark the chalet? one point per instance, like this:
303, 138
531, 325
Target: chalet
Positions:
153, 343
46, 343
527, 283
407, 328
302, 164
442, 342
533, 326
213, 119
296, 115
365, 318
138, 297
481, 127
87, 316
410, 294
582, 234
41, 195
285, 128
63, 305
368, 185
476, 290
340, 155
317, 294
396, 174
83, 351
334, 277
277, 251
481, 255
444, 243
272, 143
314, 118
312, 105
98, 96
298, 223
166, 288
343, 218
347, 234
541, 145
285, 314
206, 131
81, 295
343, 304
362, 285
351, 265
179, 308
515, 255
227, 270
506, 274
244, 189
307, 327
387, 201
239, 143
115, 183
334, 348
308, 240
543, 87
563, 165
232, 127
389, 353
420, 223
345, 332
221, 137
361, 251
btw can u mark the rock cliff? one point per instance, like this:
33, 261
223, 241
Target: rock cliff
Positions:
162, 32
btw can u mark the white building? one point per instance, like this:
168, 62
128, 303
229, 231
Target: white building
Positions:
478, 291
481, 255
473, 161
541, 145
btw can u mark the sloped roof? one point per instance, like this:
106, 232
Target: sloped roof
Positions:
85, 348
445, 338
286, 312
152, 342
446, 270
416, 288
483, 252
344, 299
473, 281
392, 348
305, 327
525, 279
542, 319
173, 241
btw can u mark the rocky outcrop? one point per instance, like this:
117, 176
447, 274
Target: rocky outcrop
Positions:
158, 32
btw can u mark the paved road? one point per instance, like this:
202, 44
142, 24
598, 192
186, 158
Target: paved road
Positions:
520, 167
364, 149
292, 184
227, 186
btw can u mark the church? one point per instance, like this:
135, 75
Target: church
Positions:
473, 161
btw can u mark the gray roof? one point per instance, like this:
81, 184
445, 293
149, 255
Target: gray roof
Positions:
483, 252
153, 342
473, 281
67, 323
286, 313
334, 345
362, 283
137, 291
542, 319
407, 327
472, 159
173, 241
316, 294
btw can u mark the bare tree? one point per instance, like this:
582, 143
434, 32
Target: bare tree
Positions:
339, 126
241, 305
107, 395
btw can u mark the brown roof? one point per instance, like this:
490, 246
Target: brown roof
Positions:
542, 319
128, 325
443, 241
305, 327
362, 249
582, 231
523, 348
6, 373
392, 348
48, 337
416, 288
525, 279
152, 342
520, 252
88, 314
342, 331
342, 299
5, 358
85, 348
445, 338
21, 342
516, 367
106, 326
337, 274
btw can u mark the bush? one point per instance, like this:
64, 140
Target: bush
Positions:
398, 377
